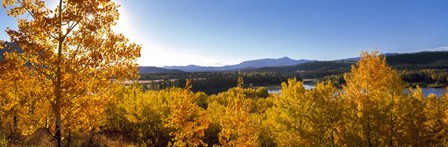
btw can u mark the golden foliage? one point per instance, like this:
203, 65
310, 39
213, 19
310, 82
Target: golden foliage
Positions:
288, 116
74, 53
303, 117
160, 118
372, 92
63, 73
238, 126
187, 119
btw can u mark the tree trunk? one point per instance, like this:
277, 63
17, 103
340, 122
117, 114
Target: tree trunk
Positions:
58, 127
58, 88
91, 138
15, 124
58, 93
392, 125
69, 138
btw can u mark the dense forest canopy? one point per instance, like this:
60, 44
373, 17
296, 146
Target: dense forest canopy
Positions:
214, 82
426, 57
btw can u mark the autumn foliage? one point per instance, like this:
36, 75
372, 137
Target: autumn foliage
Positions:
371, 109
72, 57
62, 72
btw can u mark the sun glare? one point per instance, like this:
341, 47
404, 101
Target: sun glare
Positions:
90, 17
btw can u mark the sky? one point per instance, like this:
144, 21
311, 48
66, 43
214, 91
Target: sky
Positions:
223, 32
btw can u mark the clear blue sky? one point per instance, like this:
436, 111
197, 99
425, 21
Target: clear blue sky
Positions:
218, 32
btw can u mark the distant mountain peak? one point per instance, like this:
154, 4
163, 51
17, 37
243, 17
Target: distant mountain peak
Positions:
285, 57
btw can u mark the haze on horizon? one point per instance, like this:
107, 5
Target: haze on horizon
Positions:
223, 32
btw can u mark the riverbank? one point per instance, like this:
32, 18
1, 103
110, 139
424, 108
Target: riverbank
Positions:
439, 91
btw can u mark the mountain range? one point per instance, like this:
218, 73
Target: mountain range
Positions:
251, 64
286, 64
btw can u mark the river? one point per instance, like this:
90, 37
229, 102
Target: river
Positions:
426, 91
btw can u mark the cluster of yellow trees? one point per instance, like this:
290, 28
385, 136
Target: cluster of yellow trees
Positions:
62, 74
370, 110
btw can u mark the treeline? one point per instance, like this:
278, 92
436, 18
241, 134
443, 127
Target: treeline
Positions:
214, 82
408, 62
369, 110
426, 77
426, 57
316, 69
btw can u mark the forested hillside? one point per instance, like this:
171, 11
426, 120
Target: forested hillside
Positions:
415, 69
152, 69
427, 68
426, 57
213, 82
420, 60
316, 69
404, 61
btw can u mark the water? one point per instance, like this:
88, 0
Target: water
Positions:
278, 90
426, 91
